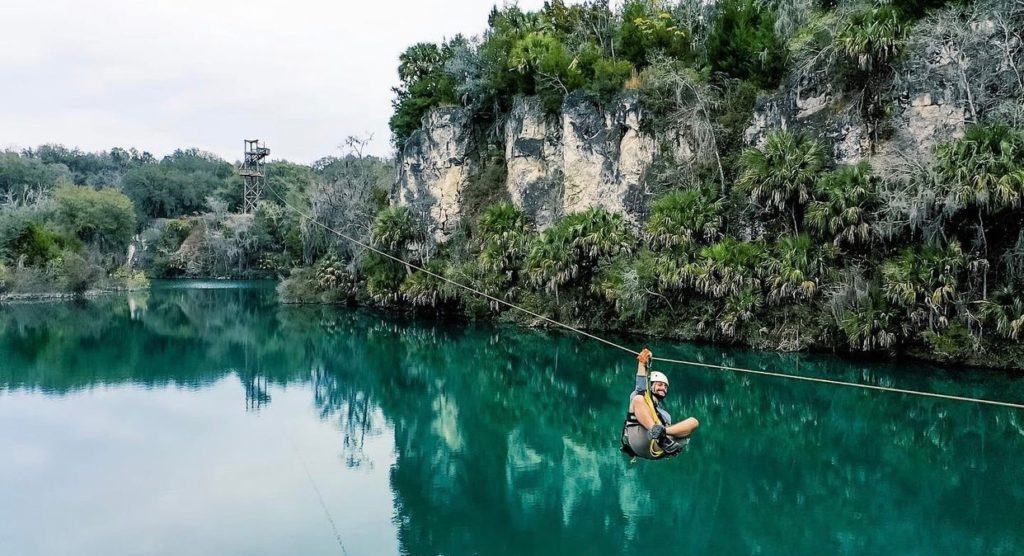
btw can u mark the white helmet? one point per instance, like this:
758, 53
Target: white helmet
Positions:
658, 376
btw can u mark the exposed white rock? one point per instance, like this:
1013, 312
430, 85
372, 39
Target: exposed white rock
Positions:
586, 157
434, 170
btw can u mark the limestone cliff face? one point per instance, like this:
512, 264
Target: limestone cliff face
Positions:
434, 169
586, 157
922, 116
533, 153
590, 156
583, 157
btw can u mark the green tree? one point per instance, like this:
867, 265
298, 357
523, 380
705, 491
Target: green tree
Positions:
546, 64
424, 85
925, 282
871, 324
1005, 311
727, 267
167, 191
796, 267
103, 217
647, 29
36, 244
24, 180
983, 171
504, 236
780, 175
871, 36
395, 230
567, 253
742, 43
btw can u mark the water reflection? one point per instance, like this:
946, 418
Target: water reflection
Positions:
505, 440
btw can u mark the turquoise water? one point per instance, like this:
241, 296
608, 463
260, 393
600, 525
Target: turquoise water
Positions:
204, 418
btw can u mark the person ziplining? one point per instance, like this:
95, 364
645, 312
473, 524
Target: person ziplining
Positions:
648, 431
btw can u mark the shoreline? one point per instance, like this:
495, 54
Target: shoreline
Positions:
42, 297
914, 353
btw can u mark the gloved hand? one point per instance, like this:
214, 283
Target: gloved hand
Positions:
645, 356
656, 432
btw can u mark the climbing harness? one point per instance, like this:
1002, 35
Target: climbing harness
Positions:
626, 349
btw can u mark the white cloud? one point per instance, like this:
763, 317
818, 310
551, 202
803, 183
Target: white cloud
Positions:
159, 75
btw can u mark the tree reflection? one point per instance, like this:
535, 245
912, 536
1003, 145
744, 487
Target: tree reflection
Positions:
506, 439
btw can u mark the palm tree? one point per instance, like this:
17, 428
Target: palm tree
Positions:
983, 171
684, 217
396, 229
726, 267
571, 249
844, 210
426, 290
1006, 311
549, 261
504, 231
779, 176
927, 277
740, 307
872, 324
629, 282
871, 36
795, 268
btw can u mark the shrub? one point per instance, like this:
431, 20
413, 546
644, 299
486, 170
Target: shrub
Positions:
74, 273
742, 43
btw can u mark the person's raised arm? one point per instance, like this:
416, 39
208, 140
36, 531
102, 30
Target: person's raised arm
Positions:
643, 360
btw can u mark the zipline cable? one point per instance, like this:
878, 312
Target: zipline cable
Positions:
320, 497
624, 348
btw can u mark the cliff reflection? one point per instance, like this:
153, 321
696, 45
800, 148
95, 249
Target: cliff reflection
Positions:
506, 440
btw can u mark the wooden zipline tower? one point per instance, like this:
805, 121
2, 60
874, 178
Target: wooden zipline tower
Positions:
253, 174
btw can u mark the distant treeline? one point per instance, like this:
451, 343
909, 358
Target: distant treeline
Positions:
68, 217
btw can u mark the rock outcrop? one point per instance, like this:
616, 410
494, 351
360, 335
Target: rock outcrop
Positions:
590, 156
815, 108
923, 114
586, 157
434, 170
583, 157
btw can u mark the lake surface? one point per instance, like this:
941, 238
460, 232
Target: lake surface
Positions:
204, 418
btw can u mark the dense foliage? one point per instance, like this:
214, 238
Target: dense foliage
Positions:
72, 221
773, 243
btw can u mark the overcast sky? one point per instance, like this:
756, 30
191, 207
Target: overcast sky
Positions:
159, 75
